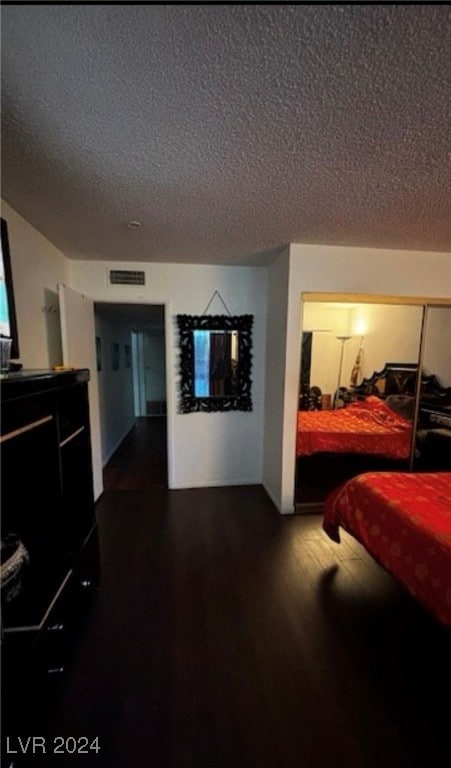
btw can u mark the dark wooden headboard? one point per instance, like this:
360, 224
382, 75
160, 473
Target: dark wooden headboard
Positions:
399, 379
393, 379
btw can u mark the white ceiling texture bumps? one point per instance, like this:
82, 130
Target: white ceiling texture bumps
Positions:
227, 130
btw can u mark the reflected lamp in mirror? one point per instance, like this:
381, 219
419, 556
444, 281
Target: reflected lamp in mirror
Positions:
215, 362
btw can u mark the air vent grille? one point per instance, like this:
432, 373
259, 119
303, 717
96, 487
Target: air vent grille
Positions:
127, 277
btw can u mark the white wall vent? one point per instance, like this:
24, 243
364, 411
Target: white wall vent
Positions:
127, 277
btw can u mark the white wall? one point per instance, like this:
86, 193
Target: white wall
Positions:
437, 344
391, 334
115, 386
326, 322
336, 269
37, 268
154, 364
276, 333
204, 449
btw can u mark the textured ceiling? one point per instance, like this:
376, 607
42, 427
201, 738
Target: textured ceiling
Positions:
227, 130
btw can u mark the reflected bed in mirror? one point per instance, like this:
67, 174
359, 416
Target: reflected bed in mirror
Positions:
215, 362
371, 429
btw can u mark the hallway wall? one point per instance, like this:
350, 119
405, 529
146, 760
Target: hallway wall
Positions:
115, 386
204, 449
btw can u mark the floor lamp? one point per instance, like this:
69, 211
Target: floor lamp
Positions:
343, 339
355, 373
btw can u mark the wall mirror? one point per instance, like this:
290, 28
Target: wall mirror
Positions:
215, 362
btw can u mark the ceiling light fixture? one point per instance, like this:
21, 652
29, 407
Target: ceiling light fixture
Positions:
134, 224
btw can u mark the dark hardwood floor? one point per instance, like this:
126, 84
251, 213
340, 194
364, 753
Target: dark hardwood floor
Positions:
140, 462
227, 636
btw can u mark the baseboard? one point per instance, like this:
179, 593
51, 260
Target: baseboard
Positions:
213, 484
273, 498
309, 508
277, 504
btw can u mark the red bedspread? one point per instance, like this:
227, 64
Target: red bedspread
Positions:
404, 521
367, 426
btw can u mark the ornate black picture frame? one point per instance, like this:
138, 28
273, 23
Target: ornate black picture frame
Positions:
241, 400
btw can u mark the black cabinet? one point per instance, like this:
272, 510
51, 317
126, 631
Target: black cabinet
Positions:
47, 504
47, 492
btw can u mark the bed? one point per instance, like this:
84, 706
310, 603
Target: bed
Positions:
371, 430
403, 519
366, 426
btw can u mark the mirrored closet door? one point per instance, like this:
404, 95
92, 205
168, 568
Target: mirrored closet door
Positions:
359, 389
433, 429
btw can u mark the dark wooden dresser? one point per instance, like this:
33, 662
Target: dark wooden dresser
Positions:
47, 505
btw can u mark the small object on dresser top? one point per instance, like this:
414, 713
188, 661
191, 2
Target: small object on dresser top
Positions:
14, 557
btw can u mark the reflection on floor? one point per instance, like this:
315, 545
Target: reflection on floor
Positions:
140, 462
